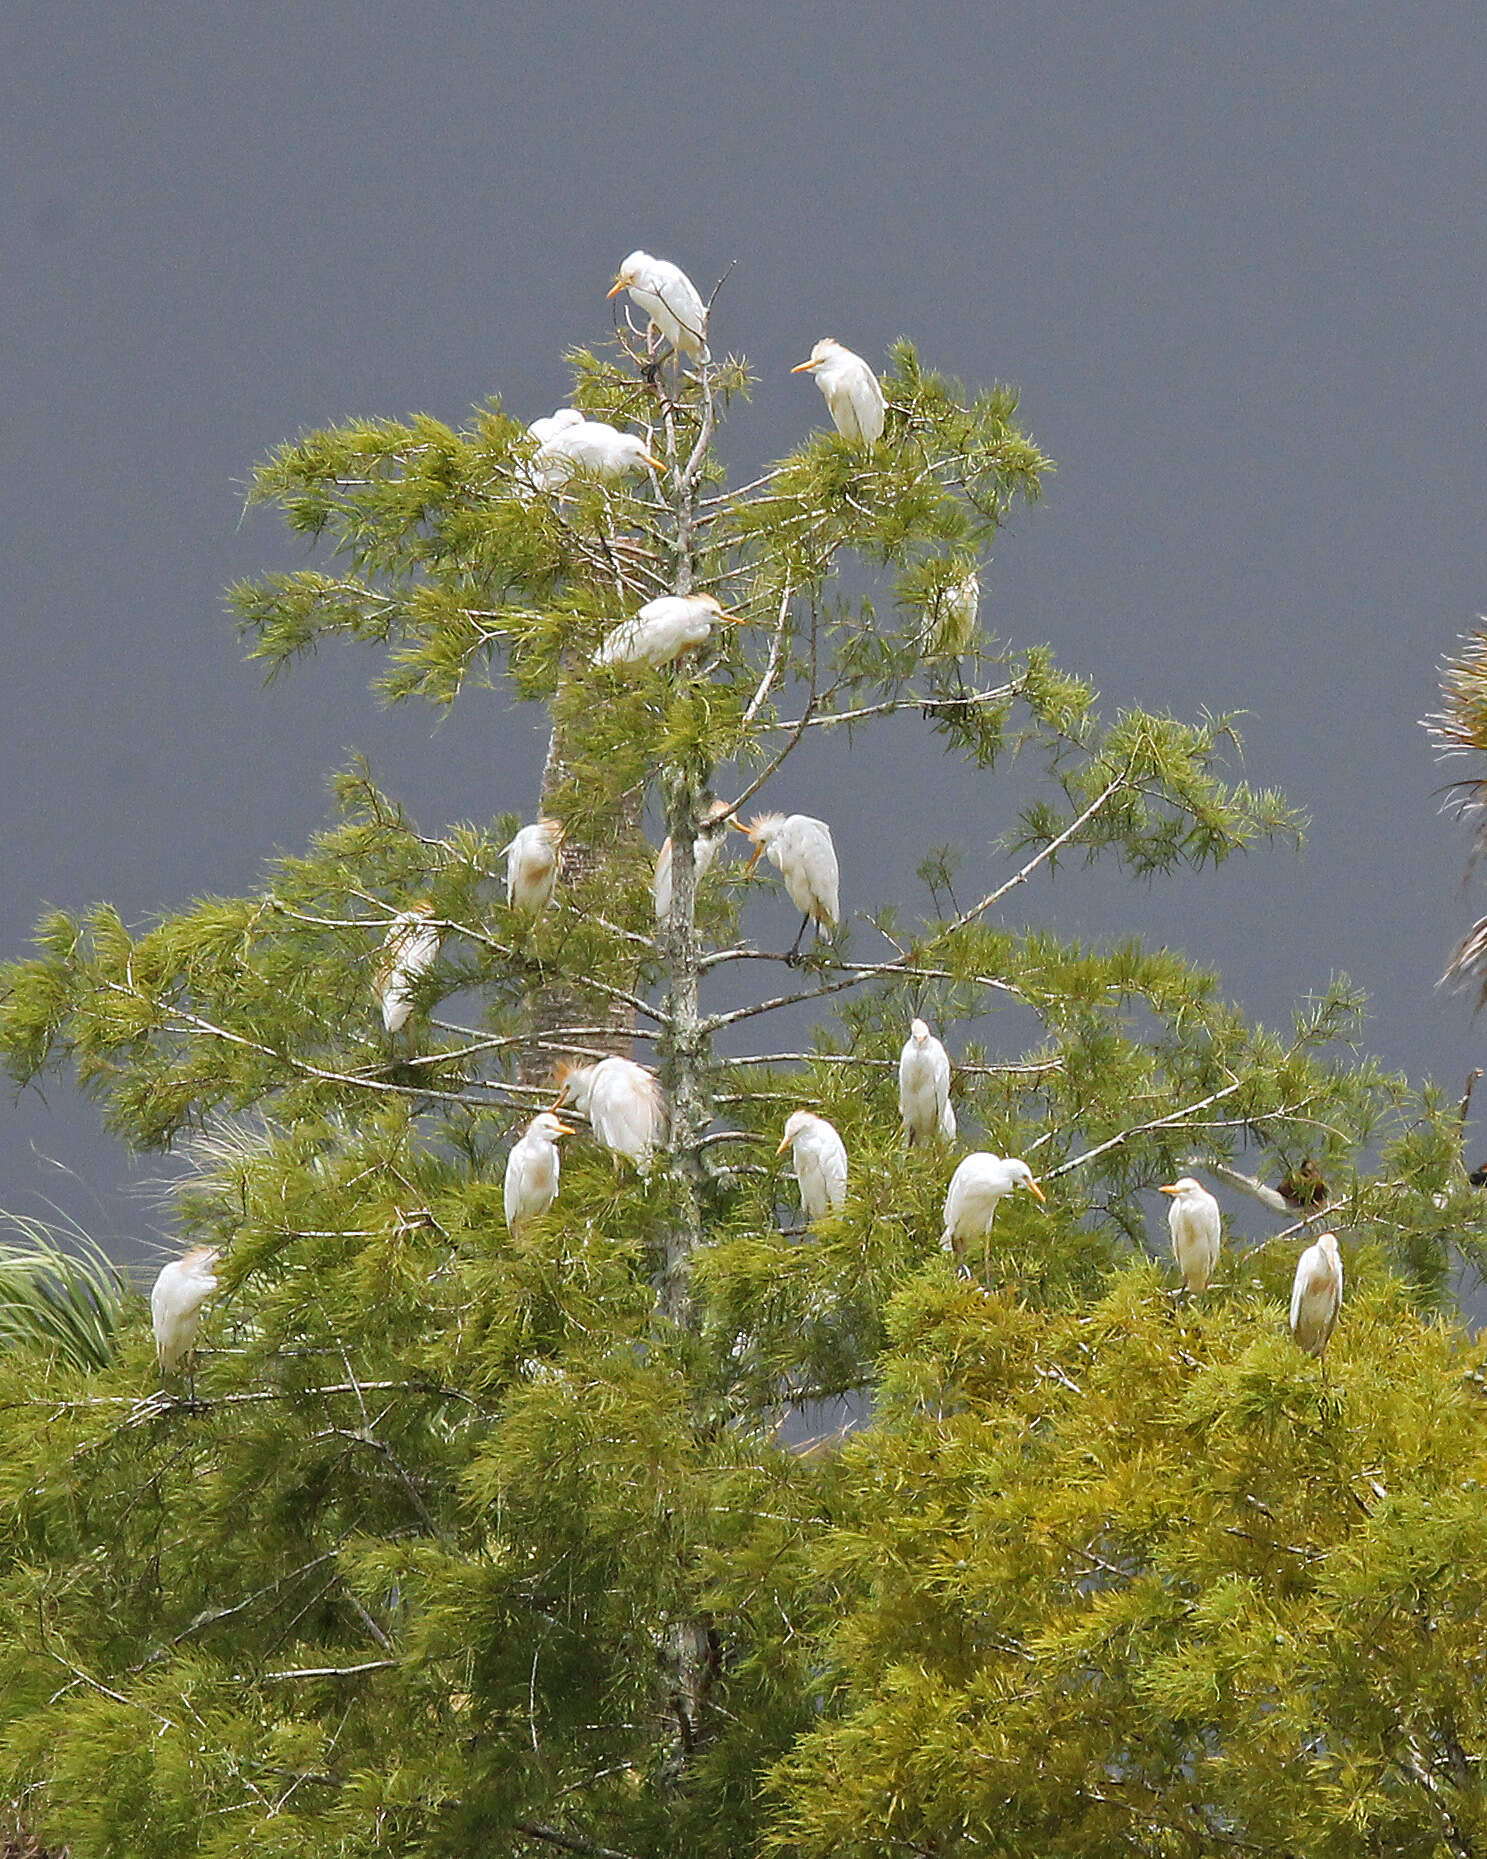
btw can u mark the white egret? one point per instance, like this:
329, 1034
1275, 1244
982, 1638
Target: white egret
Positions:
800, 849
1193, 1221
664, 293
924, 1087
532, 866
663, 629
950, 623
977, 1186
532, 1170
409, 951
1316, 1295
543, 430
176, 1301
567, 445
623, 1102
705, 849
819, 1157
853, 397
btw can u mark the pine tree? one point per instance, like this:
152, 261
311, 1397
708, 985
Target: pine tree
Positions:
469, 1541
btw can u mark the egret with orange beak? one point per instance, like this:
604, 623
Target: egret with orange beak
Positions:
532, 1171
853, 397
663, 629
977, 1188
819, 1158
800, 849
1193, 1221
665, 294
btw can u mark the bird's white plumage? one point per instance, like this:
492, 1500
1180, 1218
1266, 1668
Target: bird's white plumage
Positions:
543, 430
661, 631
705, 848
1316, 1294
950, 623
532, 1170
663, 292
1194, 1223
176, 1301
854, 398
623, 1102
978, 1186
568, 444
801, 850
924, 1087
532, 866
819, 1158
409, 951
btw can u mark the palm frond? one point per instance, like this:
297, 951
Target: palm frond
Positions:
1459, 727
59, 1293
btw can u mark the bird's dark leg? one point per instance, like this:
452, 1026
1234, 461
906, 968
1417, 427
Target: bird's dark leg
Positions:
794, 956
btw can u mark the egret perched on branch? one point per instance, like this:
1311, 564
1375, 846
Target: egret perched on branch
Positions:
950, 622
623, 1102
566, 445
409, 951
1316, 1295
543, 430
532, 1170
819, 1157
976, 1187
800, 849
664, 293
1193, 1221
176, 1301
532, 866
853, 397
663, 629
705, 848
924, 1087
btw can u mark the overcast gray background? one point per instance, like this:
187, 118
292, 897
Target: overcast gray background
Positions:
1232, 257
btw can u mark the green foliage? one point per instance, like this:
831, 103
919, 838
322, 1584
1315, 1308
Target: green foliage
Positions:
458, 1540
1135, 1577
59, 1294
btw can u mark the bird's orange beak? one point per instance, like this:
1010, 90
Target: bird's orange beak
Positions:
784, 1145
730, 619
654, 463
801, 367
1167, 1190
1033, 1188
564, 1129
758, 854
614, 289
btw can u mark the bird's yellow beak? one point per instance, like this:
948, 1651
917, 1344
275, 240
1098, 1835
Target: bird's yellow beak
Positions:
564, 1129
615, 288
1167, 1190
802, 367
654, 463
758, 853
784, 1145
1033, 1188
730, 619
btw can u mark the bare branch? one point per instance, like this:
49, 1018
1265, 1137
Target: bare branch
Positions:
317, 1671
567, 1842
1141, 1129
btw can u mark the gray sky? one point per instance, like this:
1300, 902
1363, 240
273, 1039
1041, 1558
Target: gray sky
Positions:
1231, 256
